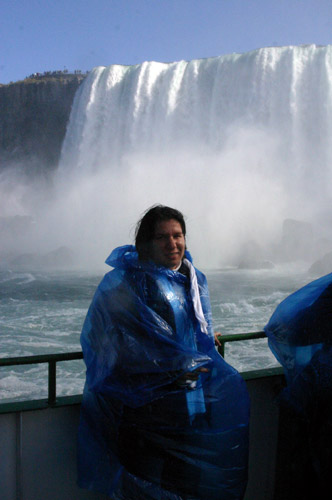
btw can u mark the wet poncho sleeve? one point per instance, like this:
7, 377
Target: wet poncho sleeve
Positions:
142, 433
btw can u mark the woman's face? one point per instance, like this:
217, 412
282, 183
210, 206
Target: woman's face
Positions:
168, 244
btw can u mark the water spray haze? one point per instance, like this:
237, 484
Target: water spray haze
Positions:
227, 196
238, 143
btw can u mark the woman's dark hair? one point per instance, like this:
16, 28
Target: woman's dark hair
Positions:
145, 228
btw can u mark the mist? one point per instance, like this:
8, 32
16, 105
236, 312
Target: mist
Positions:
235, 143
230, 199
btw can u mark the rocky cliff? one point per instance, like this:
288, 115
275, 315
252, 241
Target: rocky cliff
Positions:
33, 119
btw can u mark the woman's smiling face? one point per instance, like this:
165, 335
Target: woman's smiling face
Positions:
168, 244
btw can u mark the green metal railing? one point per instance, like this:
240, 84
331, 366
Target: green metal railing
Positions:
53, 359
235, 337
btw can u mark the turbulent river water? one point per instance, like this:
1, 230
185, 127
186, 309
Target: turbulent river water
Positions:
42, 312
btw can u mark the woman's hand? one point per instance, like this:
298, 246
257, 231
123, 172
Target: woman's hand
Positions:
191, 377
216, 339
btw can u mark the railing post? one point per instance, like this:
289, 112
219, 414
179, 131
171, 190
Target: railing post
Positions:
51, 382
221, 347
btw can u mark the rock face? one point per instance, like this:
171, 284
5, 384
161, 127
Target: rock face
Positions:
322, 266
33, 119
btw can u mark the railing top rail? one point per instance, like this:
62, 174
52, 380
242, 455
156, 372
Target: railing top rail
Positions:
232, 337
69, 356
235, 337
52, 359
41, 358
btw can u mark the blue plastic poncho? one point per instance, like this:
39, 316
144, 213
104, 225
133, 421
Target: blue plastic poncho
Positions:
301, 324
300, 336
143, 435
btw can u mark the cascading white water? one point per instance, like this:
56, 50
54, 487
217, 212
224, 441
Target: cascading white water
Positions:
238, 143
155, 107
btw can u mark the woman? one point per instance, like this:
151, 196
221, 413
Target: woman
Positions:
163, 415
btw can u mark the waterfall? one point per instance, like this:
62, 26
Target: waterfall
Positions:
238, 143
200, 105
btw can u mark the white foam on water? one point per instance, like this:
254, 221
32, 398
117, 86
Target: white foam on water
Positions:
19, 278
23, 384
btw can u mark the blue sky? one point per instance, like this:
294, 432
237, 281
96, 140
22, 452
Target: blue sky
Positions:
40, 35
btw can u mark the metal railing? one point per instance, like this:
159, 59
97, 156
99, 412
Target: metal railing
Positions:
235, 337
53, 359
